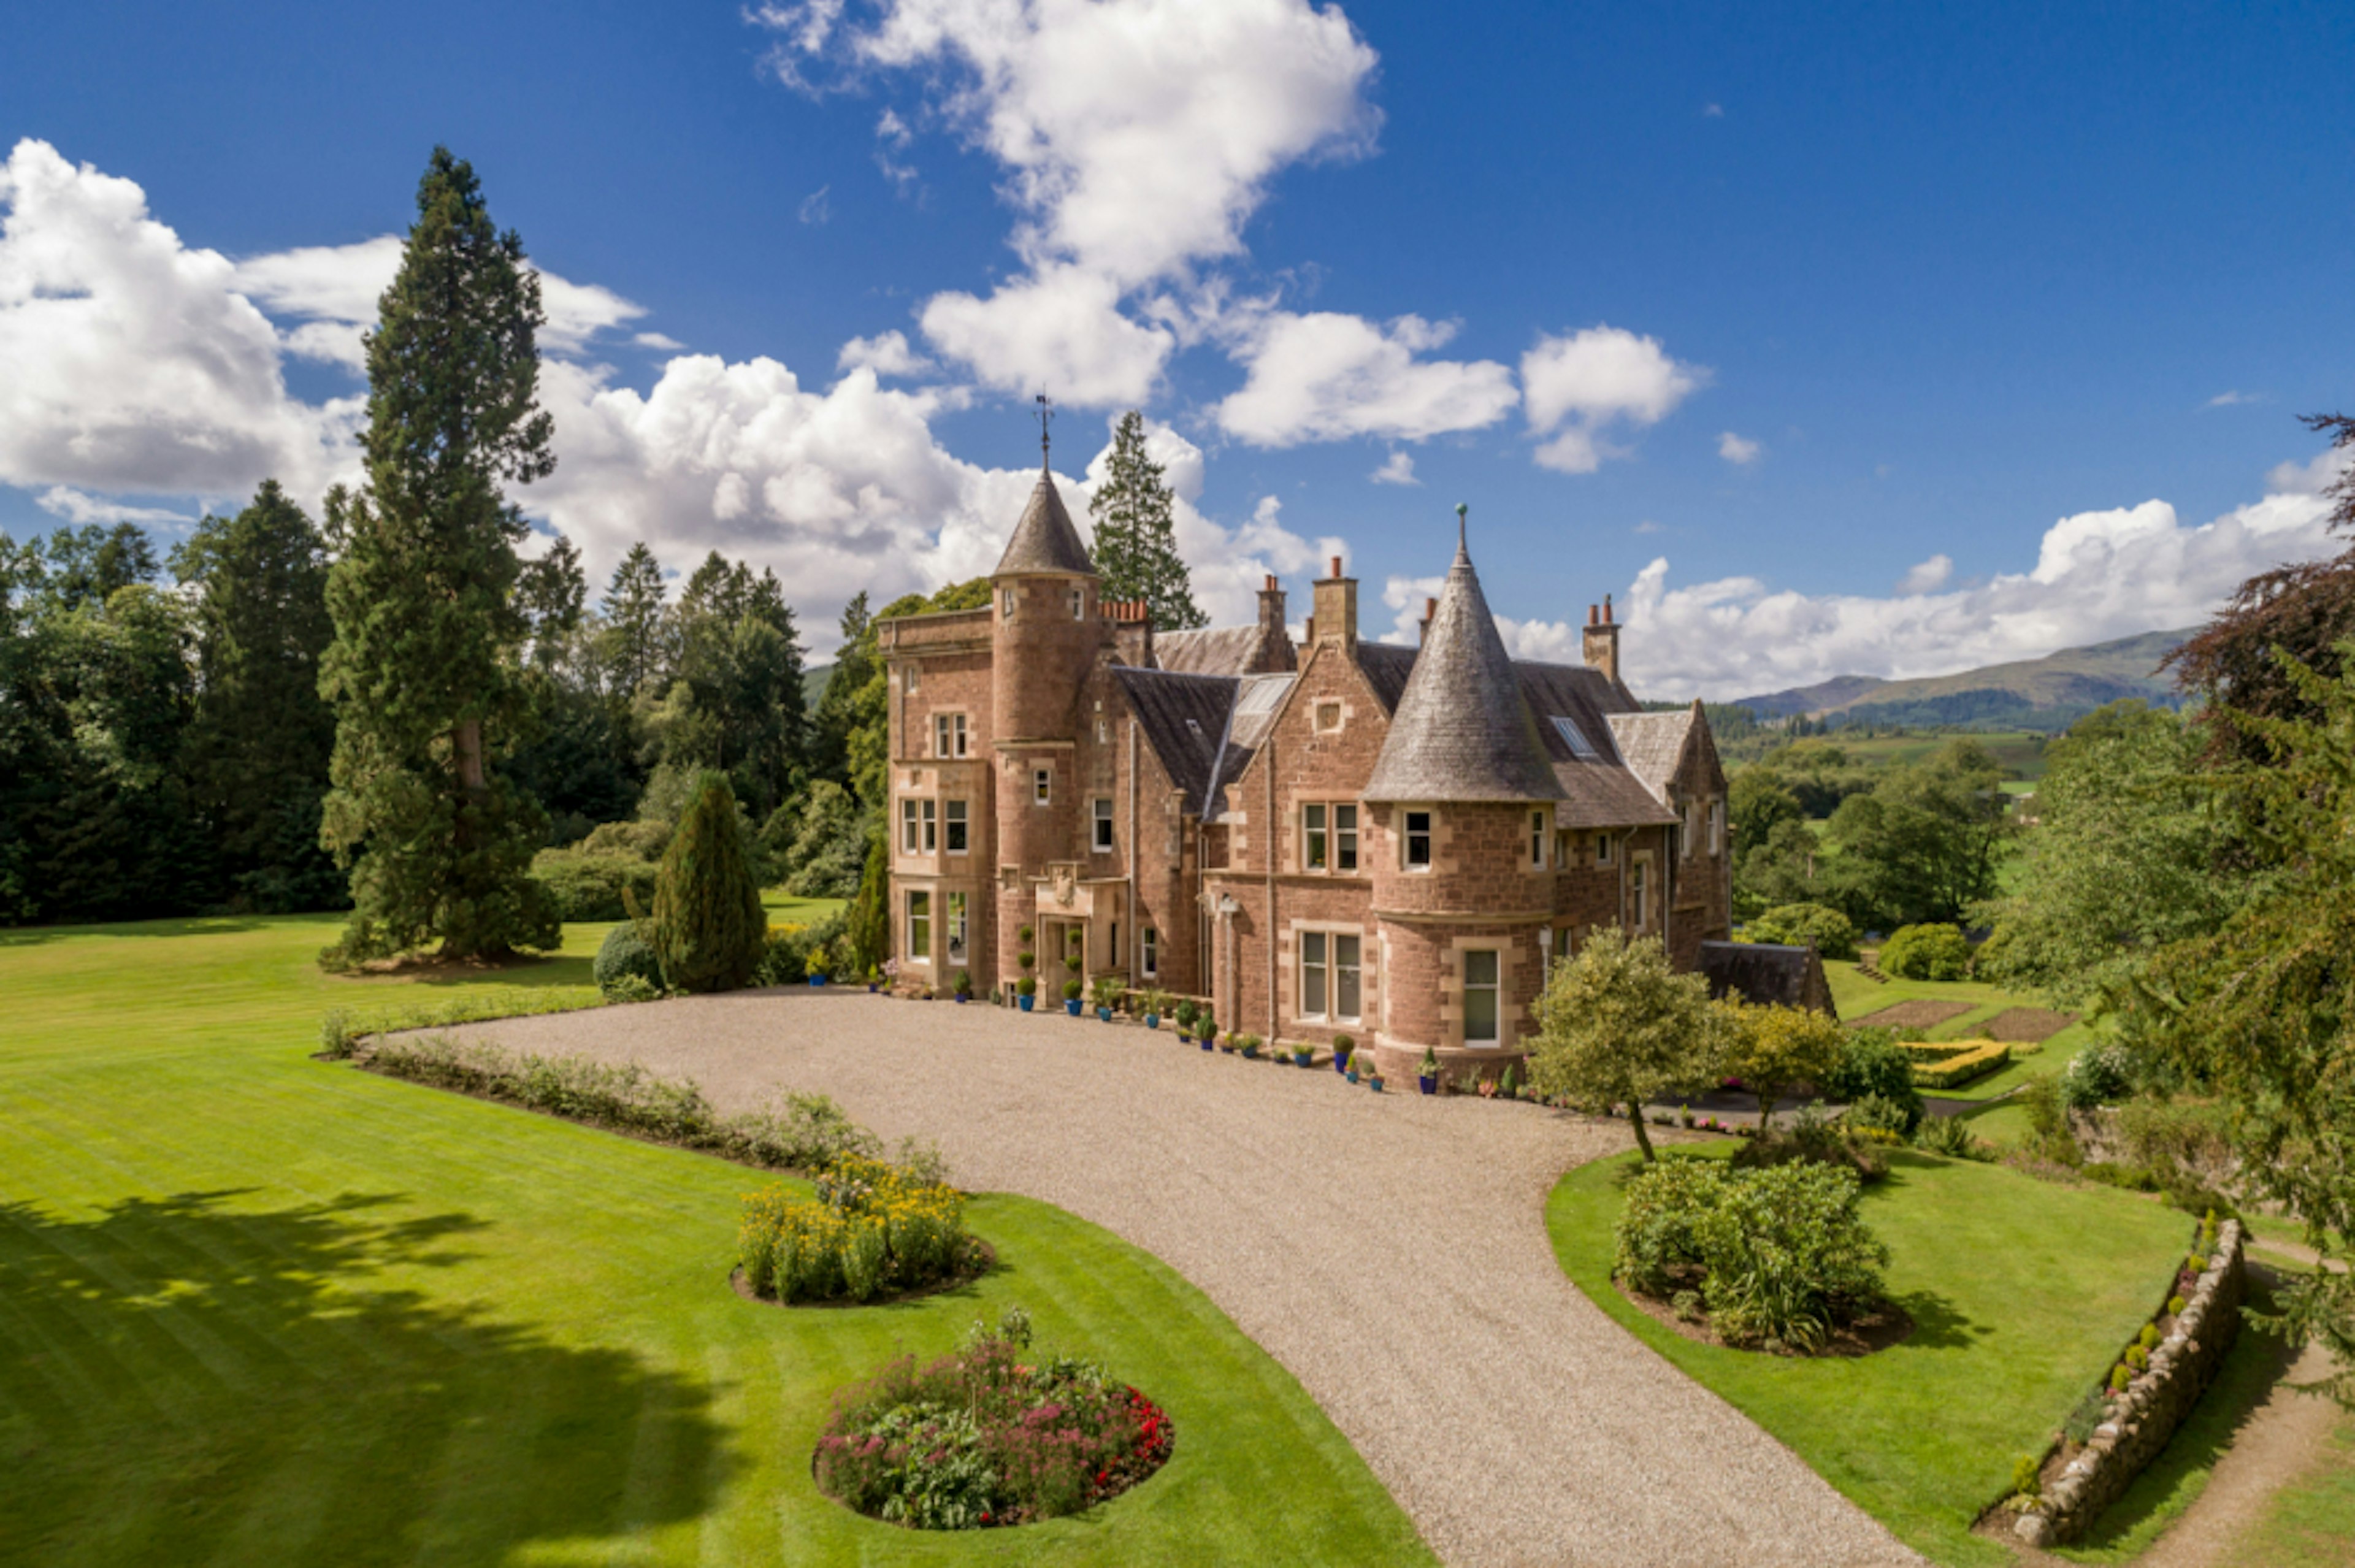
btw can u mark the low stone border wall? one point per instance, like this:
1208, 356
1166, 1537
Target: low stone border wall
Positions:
2142, 1419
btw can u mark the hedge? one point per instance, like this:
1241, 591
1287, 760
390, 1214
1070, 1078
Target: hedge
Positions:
1951, 1064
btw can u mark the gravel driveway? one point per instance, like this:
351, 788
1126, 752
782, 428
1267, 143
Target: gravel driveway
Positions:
1515, 1421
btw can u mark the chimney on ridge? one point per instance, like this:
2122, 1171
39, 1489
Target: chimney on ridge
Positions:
1602, 641
1337, 611
1274, 651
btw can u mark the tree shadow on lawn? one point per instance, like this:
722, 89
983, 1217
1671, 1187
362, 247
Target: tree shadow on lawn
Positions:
181, 1380
191, 926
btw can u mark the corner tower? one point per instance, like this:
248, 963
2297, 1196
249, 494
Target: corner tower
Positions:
1464, 791
1045, 631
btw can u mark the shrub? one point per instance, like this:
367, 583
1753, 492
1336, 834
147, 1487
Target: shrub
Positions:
1951, 1136
2049, 1135
1873, 1063
1950, 1064
1832, 934
873, 1228
1926, 953
2094, 1075
2138, 1358
624, 952
593, 887
2149, 1335
633, 988
708, 928
1071, 990
785, 950
964, 983
1881, 1112
989, 1436
1788, 1255
1656, 1241
2027, 1477
336, 1033
2174, 1306
2120, 1376
1815, 1140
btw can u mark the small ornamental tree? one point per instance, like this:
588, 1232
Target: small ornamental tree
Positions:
1829, 932
1772, 1048
1617, 1026
708, 926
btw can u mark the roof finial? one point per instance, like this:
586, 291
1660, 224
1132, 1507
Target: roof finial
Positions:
1046, 414
1460, 509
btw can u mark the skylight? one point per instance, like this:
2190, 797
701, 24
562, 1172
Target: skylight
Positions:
1580, 746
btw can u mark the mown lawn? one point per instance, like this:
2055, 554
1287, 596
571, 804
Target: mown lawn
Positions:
260, 1309
2310, 1523
2021, 1294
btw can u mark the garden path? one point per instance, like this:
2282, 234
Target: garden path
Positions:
1391, 1251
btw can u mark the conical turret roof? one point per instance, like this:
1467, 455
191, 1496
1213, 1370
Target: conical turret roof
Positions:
1045, 540
1462, 730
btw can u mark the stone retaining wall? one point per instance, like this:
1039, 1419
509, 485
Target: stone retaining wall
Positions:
2142, 1418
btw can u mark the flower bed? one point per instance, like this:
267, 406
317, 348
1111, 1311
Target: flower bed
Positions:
874, 1230
985, 1436
1951, 1064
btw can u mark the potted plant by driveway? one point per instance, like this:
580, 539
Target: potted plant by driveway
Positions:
1154, 1002
1249, 1045
815, 966
1301, 1052
964, 984
1426, 1075
1374, 1077
1184, 1014
1025, 992
1351, 1072
1106, 992
1207, 1031
1343, 1046
1071, 997
874, 979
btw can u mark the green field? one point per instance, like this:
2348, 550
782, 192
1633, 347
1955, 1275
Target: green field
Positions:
2021, 1292
260, 1309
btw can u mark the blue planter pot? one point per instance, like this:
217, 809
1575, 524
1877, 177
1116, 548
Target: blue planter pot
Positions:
1342, 1065
1103, 1014
1428, 1085
963, 999
1375, 1084
1152, 1020
1300, 1058
1026, 1002
1072, 1006
817, 980
1205, 1042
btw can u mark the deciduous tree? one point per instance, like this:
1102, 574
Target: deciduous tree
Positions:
1617, 1025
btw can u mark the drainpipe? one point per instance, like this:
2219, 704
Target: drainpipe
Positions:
1270, 857
1135, 925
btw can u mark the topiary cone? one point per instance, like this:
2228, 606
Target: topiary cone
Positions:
709, 925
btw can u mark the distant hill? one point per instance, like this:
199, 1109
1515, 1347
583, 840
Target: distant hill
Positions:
814, 679
2049, 694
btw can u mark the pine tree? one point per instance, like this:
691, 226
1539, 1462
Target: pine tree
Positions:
261, 736
1136, 537
423, 671
637, 628
709, 925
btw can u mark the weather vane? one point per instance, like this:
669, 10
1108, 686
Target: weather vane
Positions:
1460, 509
1046, 414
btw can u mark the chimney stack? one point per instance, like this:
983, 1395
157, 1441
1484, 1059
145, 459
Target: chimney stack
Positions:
1601, 642
1336, 619
1423, 627
1274, 651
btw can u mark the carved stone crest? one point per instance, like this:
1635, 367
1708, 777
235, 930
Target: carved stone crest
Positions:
1067, 885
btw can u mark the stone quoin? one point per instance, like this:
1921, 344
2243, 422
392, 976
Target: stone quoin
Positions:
1322, 836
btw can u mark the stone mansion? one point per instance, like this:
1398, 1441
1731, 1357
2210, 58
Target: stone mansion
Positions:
1331, 836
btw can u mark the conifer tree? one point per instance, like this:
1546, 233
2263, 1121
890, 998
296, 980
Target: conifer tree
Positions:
637, 630
259, 744
423, 671
1136, 551
709, 925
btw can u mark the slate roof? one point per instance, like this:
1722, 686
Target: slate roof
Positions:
1386, 666
1045, 540
1218, 650
1183, 718
1767, 973
1653, 745
1462, 730
1600, 789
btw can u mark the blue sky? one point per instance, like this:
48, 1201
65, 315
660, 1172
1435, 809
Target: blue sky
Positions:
1887, 339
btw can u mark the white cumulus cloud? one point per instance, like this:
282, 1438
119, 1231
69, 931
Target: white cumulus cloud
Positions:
74, 507
1580, 385
886, 353
1739, 451
1327, 377
2097, 576
1397, 468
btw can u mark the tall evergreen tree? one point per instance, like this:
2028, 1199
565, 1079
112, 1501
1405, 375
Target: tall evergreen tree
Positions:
737, 703
423, 670
837, 709
1135, 548
259, 746
709, 925
637, 628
